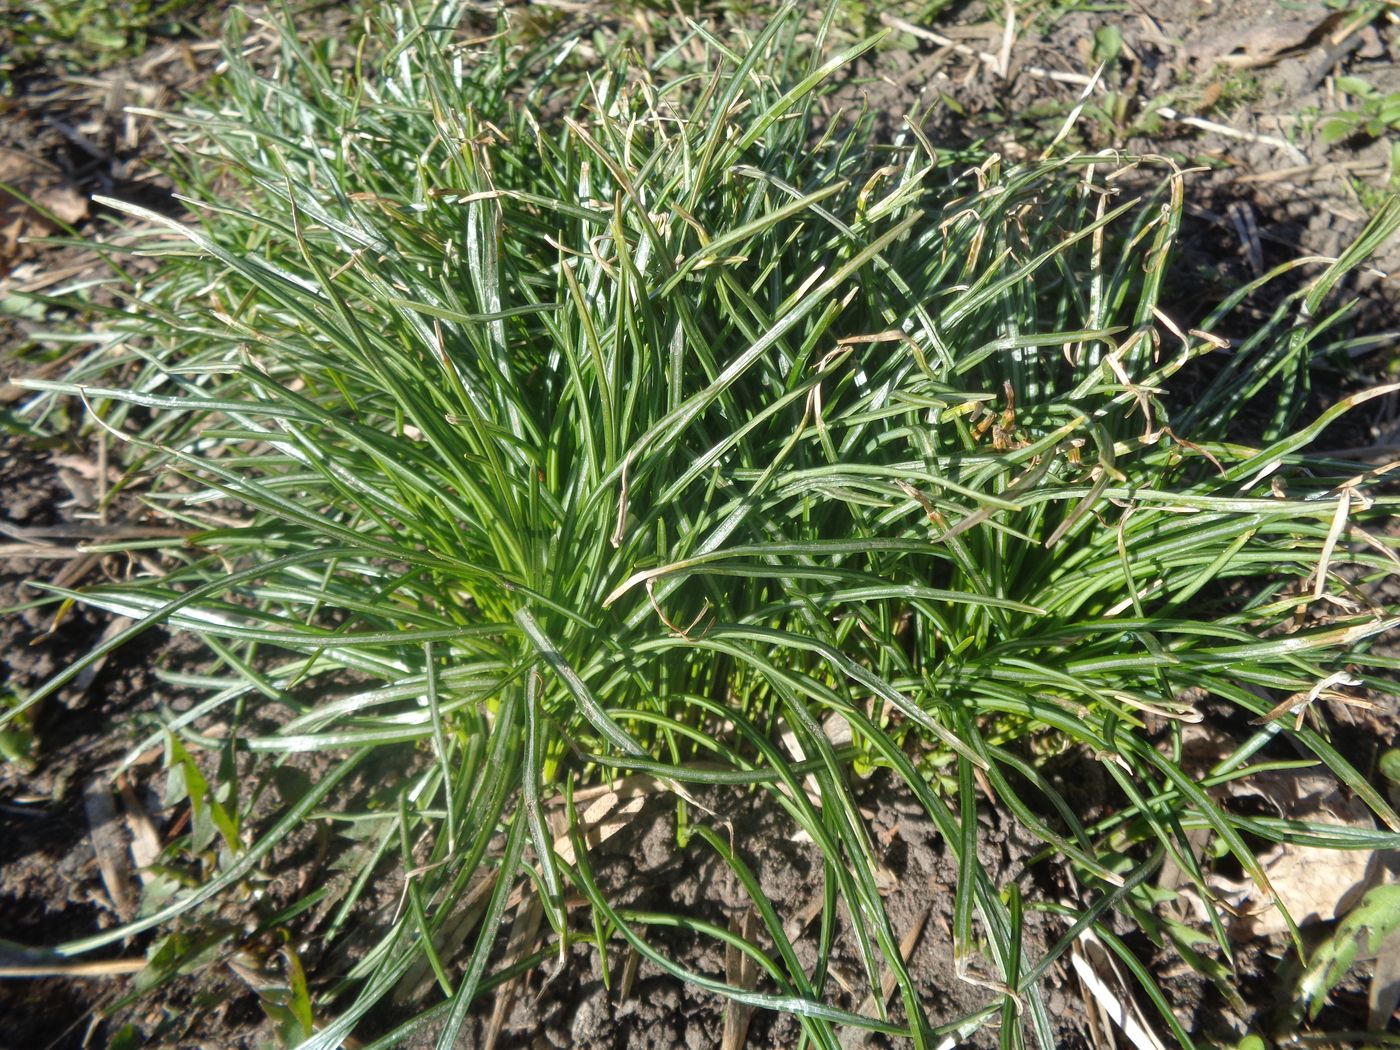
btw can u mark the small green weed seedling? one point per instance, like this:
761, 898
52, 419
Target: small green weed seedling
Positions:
1375, 114
17, 741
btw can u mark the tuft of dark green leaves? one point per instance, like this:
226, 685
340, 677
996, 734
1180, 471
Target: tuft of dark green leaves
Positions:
81, 35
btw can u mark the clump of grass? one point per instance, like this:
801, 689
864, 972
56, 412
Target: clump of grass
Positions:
629, 422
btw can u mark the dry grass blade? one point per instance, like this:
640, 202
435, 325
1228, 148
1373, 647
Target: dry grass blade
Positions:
524, 932
605, 816
89, 968
113, 857
145, 840
742, 972
855, 1039
1111, 991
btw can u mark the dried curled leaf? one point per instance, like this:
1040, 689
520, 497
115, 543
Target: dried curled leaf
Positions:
32, 195
1313, 883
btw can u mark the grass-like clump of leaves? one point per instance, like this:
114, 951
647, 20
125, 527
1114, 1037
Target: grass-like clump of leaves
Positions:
539, 421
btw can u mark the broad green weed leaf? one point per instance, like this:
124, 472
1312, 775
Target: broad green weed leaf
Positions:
1372, 925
